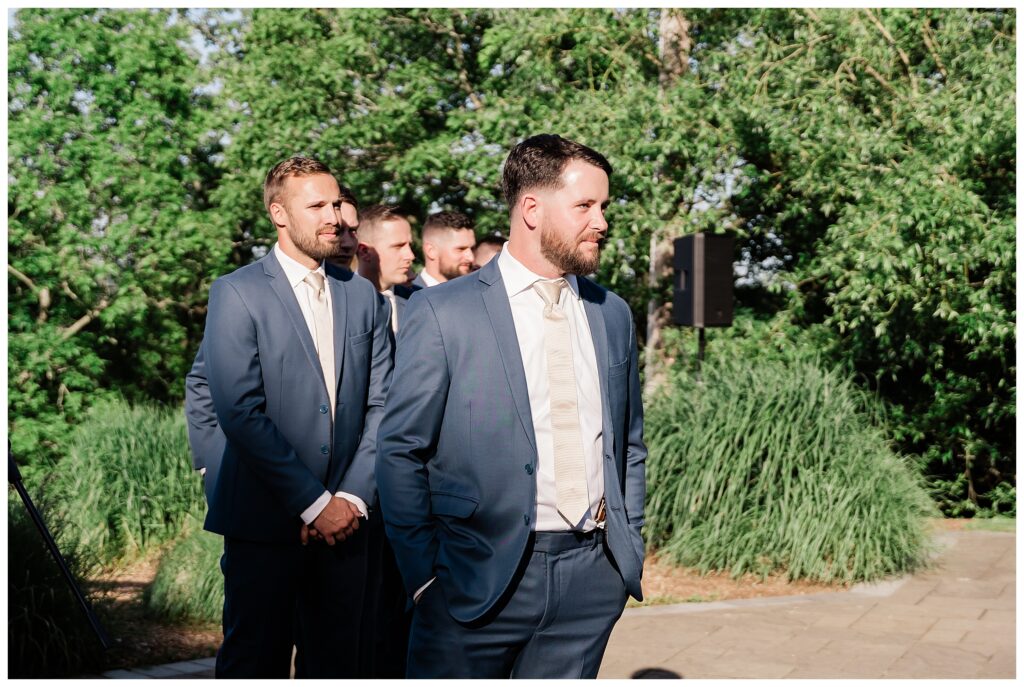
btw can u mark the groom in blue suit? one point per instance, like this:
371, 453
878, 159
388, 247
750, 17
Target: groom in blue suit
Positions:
511, 475
298, 359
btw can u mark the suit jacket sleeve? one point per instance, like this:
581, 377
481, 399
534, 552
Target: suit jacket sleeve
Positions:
236, 386
359, 479
204, 435
408, 438
636, 452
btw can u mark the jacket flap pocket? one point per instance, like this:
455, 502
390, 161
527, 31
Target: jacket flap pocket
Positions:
453, 505
360, 338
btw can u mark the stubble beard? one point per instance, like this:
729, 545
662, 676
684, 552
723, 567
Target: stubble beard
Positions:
567, 257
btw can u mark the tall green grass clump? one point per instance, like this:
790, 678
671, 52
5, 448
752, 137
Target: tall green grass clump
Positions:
127, 483
189, 584
47, 633
775, 466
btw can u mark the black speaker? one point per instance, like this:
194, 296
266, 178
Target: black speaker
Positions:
702, 293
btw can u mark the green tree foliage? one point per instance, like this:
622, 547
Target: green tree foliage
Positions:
864, 159
881, 175
107, 246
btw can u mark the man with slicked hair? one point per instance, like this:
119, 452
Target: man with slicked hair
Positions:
297, 359
511, 475
448, 240
347, 239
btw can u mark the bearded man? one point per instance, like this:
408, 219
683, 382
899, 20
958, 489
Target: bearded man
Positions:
511, 474
298, 359
448, 240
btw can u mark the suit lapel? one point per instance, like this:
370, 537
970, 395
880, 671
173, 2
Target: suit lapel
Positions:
500, 313
285, 293
599, 334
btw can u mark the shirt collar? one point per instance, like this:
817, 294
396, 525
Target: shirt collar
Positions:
517, 278
427, 279
293, 269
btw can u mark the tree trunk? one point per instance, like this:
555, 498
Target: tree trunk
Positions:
674, 52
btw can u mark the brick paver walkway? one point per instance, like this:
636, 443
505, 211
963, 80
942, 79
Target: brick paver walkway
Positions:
956, 620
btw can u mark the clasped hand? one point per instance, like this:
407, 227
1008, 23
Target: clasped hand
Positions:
336, 522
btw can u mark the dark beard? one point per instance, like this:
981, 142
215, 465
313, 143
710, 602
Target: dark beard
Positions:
451, 272
566, 256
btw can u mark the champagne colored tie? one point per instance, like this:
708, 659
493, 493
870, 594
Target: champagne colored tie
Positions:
324, 336
570, 471
390, 295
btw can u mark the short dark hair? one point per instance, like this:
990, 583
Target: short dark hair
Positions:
446, 221
492, 240
375, 215
348, 196
538, 162
295, 166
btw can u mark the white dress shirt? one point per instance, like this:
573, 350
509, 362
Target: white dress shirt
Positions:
427, 279
296, 273
528, 316
390, 295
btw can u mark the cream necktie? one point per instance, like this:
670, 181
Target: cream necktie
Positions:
324, 336
570, 471
390, 295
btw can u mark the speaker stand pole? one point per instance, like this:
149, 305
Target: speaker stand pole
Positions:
700, 350
14, 477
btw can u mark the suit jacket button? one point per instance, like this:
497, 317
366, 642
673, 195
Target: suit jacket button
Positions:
323, 449
526, 520
324, 408
528, 468
607, 456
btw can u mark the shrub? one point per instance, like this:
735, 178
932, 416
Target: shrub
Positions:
774, 465
189, 584
47, 633
127, 483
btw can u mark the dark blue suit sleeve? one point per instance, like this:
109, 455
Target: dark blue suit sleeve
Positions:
408, 439
636, 451
359, 479
204, 435
236, 387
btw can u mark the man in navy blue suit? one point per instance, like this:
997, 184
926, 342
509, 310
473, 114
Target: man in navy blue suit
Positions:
511, 473
297, 355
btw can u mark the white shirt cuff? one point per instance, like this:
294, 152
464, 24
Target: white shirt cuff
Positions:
202, 471
311, 513
419, 592
354, 500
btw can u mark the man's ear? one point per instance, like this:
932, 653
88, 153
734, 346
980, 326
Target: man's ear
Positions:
364, 252
530, 209
429, 250
278, 214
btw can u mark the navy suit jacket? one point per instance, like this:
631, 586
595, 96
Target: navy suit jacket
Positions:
457, 454
271, 402
204, 436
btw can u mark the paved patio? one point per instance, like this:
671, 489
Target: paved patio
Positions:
957, 620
